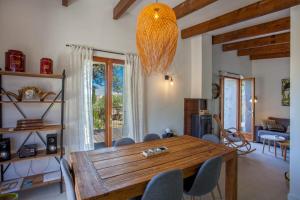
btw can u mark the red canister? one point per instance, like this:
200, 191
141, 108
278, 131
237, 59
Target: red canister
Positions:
46, 66
15, 61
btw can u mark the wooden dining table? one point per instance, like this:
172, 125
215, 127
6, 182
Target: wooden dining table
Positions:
119, 173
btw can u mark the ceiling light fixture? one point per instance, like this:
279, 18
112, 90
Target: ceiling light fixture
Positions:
156, 36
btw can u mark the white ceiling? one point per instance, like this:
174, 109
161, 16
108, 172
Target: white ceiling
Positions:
211, 11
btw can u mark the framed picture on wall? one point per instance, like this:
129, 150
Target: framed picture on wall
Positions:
285, 92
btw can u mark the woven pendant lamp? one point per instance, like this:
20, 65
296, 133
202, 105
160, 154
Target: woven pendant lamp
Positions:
156, 36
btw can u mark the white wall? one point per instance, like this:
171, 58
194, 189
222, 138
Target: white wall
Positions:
164, 103
295, 106
42, 28
268, 74
230, 62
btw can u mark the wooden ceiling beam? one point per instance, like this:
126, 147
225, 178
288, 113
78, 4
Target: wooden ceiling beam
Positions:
258, 42
65, 3
189, 6
270, 56
251, 11
282, 24
278, 48
121, 8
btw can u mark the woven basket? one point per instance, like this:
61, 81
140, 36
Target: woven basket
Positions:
157, 36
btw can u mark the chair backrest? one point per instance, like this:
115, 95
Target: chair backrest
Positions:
165, 186
211, 138
221, 126
151, 137
123, 142
207, 177
66, 172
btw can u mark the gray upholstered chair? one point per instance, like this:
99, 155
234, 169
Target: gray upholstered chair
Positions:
151, 137
205, 180
211, 138
165, 186
214, 139
123, 142
69, 183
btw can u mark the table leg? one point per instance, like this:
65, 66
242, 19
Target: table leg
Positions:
231, 178
275, 149
264, 144
284, 154
269, 141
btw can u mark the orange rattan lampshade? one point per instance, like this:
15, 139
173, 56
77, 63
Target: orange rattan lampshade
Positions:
157, 35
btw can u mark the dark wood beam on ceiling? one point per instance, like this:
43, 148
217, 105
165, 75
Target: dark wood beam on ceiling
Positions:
189, 6
258, 42
122, 7
251, 11
282, 24
278, 48
65, 3
270, 56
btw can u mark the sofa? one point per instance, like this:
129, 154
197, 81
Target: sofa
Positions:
259, 130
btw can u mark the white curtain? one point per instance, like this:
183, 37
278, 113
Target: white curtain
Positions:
134, 98
79, 113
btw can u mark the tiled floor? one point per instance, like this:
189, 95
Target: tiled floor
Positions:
261, 177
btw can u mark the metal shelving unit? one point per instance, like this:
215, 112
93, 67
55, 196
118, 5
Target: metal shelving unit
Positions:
37, 180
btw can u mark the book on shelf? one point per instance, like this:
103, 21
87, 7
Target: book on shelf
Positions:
11, 186
51, 176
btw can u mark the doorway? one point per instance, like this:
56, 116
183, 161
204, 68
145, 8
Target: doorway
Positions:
108, 91
238, 104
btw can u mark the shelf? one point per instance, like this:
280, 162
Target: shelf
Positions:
40, 155
30, 102
45, 128
27, 74
38, 181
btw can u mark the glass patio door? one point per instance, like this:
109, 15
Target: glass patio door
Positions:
108, 85
238, 104
230, 104
247, 103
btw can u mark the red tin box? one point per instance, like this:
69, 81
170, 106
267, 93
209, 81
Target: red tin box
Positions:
15, 61
46, 66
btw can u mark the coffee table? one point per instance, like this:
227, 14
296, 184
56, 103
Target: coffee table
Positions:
269, 138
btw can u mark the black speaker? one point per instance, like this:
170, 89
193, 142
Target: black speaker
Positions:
51, 143
4, 149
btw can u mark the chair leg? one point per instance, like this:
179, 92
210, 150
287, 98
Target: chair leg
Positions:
219, 190
213, 195
264, 144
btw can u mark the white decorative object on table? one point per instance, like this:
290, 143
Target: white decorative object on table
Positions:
155, 151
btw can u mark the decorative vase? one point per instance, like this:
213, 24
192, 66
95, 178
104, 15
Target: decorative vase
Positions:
46, 66
15, 61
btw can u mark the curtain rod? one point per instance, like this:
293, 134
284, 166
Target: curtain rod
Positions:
220, 73
101, 50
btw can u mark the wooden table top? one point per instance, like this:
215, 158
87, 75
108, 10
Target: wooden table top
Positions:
123, 172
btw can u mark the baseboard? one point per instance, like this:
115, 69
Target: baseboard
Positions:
293, 196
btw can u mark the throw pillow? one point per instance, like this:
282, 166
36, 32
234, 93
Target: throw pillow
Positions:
276, 127
267, 122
